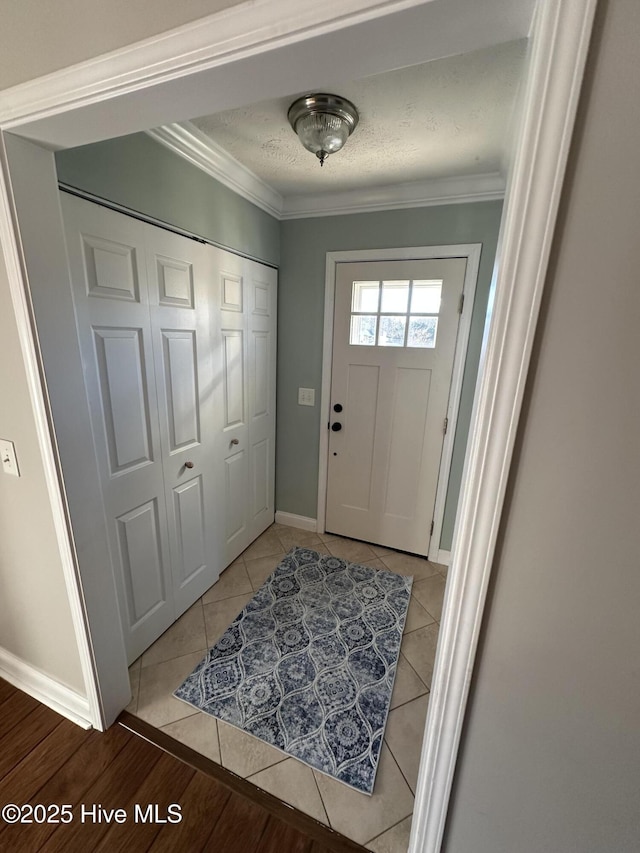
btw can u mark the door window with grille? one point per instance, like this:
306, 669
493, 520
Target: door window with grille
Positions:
395, 313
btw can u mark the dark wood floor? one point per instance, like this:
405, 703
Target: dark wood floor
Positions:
45, 760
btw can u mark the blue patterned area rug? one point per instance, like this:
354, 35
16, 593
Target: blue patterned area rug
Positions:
308, 666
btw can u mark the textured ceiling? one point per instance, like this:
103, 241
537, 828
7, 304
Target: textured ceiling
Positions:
446, 118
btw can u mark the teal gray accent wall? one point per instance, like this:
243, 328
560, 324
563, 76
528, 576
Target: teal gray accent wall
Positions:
139, 173
304, 245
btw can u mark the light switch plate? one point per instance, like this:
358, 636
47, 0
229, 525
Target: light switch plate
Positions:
306, 396
8, 457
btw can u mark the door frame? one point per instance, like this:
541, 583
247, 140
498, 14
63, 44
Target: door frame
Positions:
98, 99
470, 251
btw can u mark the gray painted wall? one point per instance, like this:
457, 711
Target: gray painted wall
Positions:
38, 38
35, 617
551, 747
141, 174
304, 245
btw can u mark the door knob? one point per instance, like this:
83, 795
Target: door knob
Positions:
337, 407
235, 441
336, 427
188, 464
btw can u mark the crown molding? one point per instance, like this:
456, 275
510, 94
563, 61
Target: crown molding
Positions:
456, 190
190, 143
193, 145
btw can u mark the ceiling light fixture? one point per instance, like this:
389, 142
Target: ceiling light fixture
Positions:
323, 123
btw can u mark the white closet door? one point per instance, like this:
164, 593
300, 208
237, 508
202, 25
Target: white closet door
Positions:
231, 377
108, 270
178, 344
246, 371
180, 273
260, 286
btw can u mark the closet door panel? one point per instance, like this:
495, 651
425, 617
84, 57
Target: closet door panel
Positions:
180, 273
175, 281
124, 396
181, 388
111, 269
261, 477
232, 359
189, 506
261, 324
236, 502
141, 555
233, 370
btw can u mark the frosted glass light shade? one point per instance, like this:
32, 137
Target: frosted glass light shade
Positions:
323, 123
322, 133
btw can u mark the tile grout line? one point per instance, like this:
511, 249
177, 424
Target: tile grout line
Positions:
179, 720
215, 721
324, 808
413, 669
413, 630
268, 767
397, 763
419, 696
221, 762
202, 651
388, 829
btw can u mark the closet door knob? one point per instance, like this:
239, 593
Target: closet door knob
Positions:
188, 464
235, 441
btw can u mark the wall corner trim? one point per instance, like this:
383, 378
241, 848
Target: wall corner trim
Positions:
45, 689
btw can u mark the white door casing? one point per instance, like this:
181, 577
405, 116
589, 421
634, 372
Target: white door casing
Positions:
384, 461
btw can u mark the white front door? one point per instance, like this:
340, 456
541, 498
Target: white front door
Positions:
394, 339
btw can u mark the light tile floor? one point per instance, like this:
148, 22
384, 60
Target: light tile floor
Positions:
381, 822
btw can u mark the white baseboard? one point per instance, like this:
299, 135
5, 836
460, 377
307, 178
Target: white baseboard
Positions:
443, 557
299, 521
43, 688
